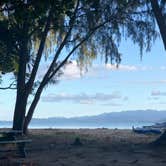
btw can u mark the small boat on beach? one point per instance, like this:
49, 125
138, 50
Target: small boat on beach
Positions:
146, 130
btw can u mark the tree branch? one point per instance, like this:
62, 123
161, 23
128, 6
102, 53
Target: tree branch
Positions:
72, 20
67, 57
71, 52
9, 87
42, 84
39, 54
62, 45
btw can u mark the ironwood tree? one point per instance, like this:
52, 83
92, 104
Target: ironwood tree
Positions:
57, 30
159, 11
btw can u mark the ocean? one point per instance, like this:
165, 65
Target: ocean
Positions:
81, 125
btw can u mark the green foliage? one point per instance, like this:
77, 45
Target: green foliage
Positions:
14, 15
120, 18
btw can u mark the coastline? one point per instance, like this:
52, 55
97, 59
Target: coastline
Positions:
84, 125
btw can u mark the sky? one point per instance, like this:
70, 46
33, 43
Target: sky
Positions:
136, 85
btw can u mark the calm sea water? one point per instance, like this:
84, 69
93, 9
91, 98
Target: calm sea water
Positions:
77, 126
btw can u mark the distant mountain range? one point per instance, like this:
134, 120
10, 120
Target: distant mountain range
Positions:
151, 116
105, 119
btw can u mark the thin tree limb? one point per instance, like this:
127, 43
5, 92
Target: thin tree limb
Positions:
39, 54
64, 40
9, 87
67, 57
71, 52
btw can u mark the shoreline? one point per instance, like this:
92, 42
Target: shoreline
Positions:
111, 126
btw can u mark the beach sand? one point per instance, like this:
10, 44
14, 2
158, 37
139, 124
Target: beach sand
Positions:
97, 147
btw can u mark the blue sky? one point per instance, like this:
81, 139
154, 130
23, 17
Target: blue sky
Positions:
135, 85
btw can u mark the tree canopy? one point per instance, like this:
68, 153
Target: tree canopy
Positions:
109, 20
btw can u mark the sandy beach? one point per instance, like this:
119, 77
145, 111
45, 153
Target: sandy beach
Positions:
97, 147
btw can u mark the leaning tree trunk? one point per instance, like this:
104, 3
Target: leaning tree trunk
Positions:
31, 110
160, 18
162, 27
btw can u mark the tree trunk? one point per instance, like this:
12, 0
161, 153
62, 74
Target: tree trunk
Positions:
162, 27
32, 109
19, 112
21, 100
22, 96
160, 20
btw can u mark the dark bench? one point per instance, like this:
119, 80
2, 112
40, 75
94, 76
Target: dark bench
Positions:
16, 138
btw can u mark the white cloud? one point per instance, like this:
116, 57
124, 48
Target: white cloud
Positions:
111, 104
82, 98
72, 71
87, 102
163, 68
158, 93
125, 98
156, 82
153, 98
121, 67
